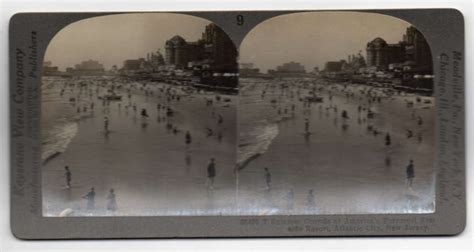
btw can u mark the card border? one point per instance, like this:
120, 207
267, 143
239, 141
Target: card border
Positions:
444, 31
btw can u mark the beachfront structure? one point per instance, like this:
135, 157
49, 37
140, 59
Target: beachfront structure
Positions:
355, 62
134, 66
180, 53
380, 54
155, 60
49, 69
289, 69
413, 48
334, 66
248, 70
417, 49
214, 49
87, 68
409, 60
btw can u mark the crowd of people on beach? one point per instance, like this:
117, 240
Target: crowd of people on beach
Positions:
90, 196
299, 98
290, 195
289, 99
84, 94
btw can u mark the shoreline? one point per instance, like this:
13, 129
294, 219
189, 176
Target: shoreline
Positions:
282, 119
137, 154
344, 164
50, 157
154, 172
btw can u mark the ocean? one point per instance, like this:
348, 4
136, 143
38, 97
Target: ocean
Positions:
61, 100
257, 119
150, 166
59, 117
343, 159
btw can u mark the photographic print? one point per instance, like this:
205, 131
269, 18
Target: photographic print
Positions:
139, 117
336, 116
159, 114
237, 124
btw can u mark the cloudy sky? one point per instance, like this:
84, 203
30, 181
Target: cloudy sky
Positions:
115, 38
310, 38
316, 37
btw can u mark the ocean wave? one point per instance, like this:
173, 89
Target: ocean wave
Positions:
255, 142
57, 140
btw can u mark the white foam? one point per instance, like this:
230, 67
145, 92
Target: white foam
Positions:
58, 139
256, 141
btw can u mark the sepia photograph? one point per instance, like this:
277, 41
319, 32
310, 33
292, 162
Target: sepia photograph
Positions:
314, 113
336, 116
139, 117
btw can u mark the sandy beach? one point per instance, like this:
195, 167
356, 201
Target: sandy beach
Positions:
306, 146
344, 161
148, 165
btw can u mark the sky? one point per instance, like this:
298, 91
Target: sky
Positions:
313, 38
115, 38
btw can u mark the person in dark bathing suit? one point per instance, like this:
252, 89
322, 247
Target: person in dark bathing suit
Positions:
211, 174
90, 197
268, 178
410, 171
68, 175
188, 138
111, 201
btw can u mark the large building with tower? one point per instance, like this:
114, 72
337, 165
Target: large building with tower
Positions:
380, 54
417, 49
413, 50
214, 48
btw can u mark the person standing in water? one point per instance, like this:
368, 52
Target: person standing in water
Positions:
290, 198
67, 174
268, 178
410, 173
310, 199
111, 201
90, 197
211, 174
144, 113
188, 138
388, 140
420, 121
306, 125
106, 123
344, 115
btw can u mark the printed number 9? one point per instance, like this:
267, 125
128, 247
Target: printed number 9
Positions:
240, 20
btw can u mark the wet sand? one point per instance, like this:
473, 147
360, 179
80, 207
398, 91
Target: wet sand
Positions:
153, 172
347, 169
151, 169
